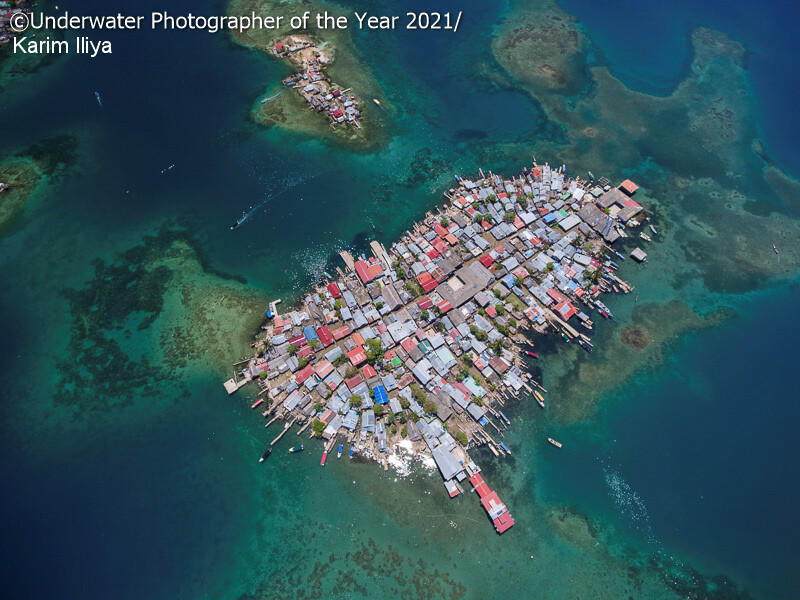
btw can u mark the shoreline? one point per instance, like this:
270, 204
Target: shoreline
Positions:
435, 328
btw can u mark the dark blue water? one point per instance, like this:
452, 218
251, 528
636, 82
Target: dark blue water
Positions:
647, 46
704, 451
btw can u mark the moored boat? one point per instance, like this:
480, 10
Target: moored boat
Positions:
653, 229
324, 458
533, 354
539, 398
339, 453
258, 402
644, 236
299, 448
376, 101
352, 451
266, 454
554, 442
774, 247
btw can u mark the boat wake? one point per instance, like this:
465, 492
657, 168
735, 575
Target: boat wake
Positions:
629, 504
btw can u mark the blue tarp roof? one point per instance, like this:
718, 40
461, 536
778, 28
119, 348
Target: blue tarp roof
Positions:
380, 394
309, 333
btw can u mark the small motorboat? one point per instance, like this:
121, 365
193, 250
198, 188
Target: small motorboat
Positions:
352, 451
99, 99
533, 354
299, 448
539, 398
644, 236
258, 402
324, 458
774, 247
376, 101
653, 229
339, 453
266, 454
235, 225
555, 443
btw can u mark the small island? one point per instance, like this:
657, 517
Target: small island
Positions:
316, 88
412, 354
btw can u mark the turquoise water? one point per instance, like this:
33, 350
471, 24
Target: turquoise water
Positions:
138, 477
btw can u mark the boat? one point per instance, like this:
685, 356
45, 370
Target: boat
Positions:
586, 338
352, 451
533, 354
774, 247
266, 454
504, 447
299, 448
324, 458
653, 229
265, 100
585, 346
555, 443
99, 100
258, 402
238, 222
376, 101
505, 418
644, 236
539, 398
565, 336
339, 453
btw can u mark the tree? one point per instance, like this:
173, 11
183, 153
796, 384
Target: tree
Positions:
523, 201
337, 305
481, 311
501, 310
425, 315
350, 372
403, 431
393, 429
497, 347
477, 400
401, 273
378, 410
292, 349
389, 418
439, 327
512, 322
519, 281
314, 343
414, 417
317, 427
417, 393
404, 403
319, 406
509, 216
374, 351
429, 406
355, 400
462, 438
379, 305
444, 222
302, 363
340, 360
262, 375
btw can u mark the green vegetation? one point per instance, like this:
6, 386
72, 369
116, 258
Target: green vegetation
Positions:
444, 222
404, 432
338, 304
501, 310
292, 349
509, 216
414, 417
417, 393
389, 418
262, 376
302, 363
350, 372
497, 347
340, 360
355, 400
425, 315
429, 406
477, 400
374, 351
523, 201
401, 273
319, 406
393, 429
378, 410
479, 334
404, 403
314, 343
549, 267
462, 438
439, 327
379, 305
519, 281
317, 427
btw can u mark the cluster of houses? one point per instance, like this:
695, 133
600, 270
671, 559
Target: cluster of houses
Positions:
7, 10
313, 85
422, 342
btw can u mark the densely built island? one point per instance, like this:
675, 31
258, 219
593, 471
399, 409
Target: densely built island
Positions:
413, 352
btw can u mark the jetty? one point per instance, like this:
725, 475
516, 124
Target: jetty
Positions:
416, 349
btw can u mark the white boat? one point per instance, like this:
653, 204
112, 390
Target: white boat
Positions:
644, 236
653, 229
